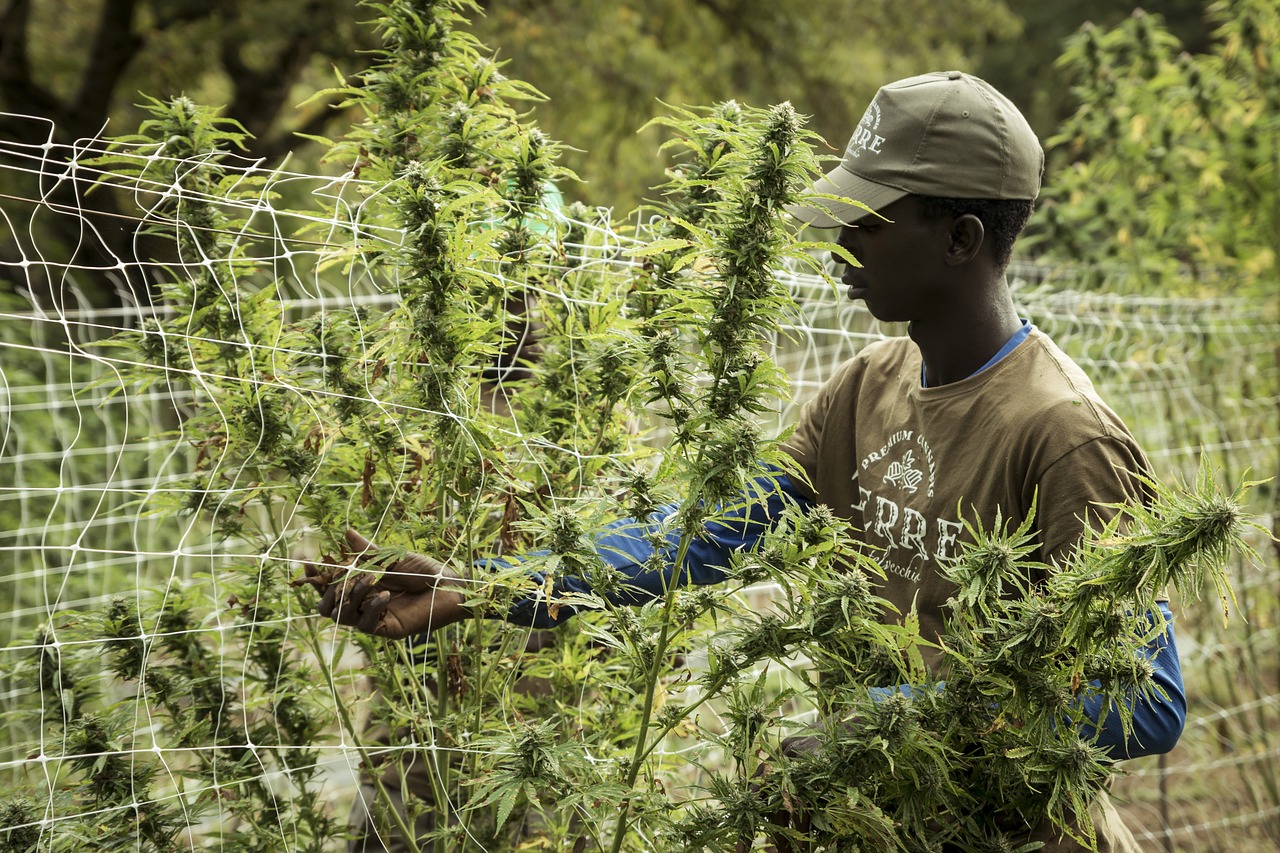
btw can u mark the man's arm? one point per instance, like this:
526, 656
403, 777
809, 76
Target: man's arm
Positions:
1101, 475
630, 546
1157, 720
416, 594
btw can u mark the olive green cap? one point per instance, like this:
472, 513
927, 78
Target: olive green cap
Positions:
946, 134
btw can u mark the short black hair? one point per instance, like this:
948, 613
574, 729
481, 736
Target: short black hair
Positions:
1002, 219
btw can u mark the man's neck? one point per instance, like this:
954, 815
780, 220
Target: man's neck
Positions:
957, 348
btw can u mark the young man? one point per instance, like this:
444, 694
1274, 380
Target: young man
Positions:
975, 415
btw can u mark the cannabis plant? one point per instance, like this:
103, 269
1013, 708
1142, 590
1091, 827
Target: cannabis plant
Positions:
1003, 740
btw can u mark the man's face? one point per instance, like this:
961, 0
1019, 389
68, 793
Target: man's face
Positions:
903, 275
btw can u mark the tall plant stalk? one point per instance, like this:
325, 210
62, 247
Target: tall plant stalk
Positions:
747, 167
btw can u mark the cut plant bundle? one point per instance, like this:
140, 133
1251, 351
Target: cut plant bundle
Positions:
999, 739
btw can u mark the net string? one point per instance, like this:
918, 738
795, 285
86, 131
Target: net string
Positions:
1123, 335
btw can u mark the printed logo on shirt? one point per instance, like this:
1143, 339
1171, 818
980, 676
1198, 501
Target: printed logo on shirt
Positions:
905, 470
904, 474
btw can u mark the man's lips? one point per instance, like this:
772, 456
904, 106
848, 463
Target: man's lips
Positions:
854, 282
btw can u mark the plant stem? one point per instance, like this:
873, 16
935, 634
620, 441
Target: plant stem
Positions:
710, 691
642, 747
440, 778
311, 636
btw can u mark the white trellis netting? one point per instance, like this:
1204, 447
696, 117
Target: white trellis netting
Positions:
81, 464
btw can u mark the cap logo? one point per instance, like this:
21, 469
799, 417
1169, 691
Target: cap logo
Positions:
945, 134
865, 137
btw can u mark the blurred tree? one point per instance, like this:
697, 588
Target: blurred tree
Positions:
1168, 169
605, 66
82, 64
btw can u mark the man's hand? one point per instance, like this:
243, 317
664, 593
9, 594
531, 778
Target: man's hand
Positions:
793, 815
414, 595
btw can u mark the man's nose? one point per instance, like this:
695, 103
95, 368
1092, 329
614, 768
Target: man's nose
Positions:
846, 240
839, 259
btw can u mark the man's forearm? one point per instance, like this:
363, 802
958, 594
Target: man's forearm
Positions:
1157, 721
629, 547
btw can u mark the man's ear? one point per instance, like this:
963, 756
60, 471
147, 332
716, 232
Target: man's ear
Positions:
966, 239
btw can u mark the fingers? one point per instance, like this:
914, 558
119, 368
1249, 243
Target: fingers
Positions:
312, 577
408, 573
403, 597
344, 602
375, 608
359, 601
320, 575
798, 745
357, 544
416, 573
380, 618
329, 600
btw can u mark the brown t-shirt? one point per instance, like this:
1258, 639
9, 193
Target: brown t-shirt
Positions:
909, 465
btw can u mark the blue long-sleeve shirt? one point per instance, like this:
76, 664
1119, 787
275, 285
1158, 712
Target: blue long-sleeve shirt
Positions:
629, 547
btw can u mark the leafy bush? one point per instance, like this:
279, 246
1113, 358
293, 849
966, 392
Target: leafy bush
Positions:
1157, 128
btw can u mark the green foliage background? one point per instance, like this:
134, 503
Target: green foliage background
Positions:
607, 67
1167, 171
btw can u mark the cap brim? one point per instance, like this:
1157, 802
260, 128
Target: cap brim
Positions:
830, 213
